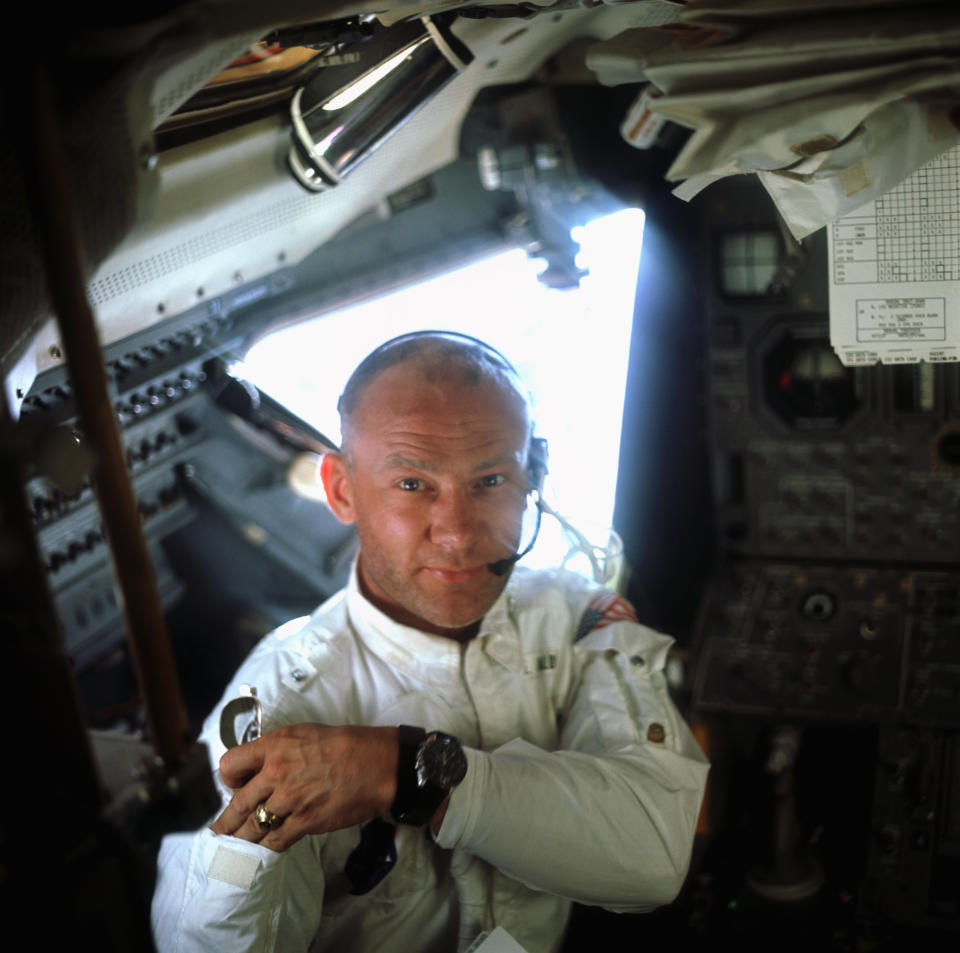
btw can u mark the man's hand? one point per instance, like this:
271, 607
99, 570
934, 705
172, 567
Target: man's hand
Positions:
318, 778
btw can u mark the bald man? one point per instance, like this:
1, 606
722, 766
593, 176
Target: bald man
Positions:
450, 744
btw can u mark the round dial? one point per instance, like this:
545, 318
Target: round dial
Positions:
440, 761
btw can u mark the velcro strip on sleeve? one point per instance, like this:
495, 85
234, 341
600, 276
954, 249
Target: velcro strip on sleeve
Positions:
233, 867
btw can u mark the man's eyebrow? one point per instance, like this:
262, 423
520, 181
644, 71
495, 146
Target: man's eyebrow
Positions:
402, 461
410, 463
498, 461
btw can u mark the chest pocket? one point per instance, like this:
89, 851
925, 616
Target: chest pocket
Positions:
546, 678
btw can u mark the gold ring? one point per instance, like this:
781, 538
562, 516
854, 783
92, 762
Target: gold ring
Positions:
266, 820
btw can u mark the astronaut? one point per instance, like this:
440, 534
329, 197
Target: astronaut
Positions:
453, 742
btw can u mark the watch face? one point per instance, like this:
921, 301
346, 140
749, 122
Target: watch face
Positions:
440, 761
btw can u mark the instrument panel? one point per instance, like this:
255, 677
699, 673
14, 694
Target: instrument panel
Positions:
211, 474
834, 601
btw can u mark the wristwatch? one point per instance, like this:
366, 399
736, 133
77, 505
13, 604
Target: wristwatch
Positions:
428, 767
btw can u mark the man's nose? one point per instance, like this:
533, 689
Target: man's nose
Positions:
455, 520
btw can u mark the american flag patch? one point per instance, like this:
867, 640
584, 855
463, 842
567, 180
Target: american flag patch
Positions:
606, 608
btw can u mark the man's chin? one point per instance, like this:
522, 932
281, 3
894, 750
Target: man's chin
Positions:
433, 604
453, 621
454, 618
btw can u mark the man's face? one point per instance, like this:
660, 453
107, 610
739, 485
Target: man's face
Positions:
436, 483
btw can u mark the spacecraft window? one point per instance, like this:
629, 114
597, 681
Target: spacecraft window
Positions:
570, 346
749, 259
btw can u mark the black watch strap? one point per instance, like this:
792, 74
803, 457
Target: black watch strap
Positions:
413, 803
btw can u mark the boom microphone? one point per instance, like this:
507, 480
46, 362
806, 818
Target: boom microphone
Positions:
502, 566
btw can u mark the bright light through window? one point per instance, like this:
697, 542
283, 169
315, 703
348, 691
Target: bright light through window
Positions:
571, 347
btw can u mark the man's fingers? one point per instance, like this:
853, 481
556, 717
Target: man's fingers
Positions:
239, 764
241, 808
242, 768
229, 821
287, 834
251, 830
316, 777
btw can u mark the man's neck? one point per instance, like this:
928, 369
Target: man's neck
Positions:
402, 616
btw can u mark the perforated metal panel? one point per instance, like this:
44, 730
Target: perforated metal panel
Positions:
228, 210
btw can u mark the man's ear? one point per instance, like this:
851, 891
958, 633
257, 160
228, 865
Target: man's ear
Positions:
338, 486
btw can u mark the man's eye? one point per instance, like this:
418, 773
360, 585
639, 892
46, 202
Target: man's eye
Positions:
493, 479
410, 483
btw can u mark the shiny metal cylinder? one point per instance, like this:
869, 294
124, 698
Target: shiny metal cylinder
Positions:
334, 133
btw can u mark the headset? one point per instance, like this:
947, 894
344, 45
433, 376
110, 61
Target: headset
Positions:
537, 450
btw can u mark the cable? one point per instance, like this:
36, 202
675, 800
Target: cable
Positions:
594, 553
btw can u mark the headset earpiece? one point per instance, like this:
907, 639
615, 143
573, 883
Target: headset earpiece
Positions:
537, 470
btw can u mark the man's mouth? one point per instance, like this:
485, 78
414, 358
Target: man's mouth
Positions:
454, 576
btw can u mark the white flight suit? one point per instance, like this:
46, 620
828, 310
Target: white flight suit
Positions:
583, 782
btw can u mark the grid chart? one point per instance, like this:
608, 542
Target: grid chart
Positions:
911, 233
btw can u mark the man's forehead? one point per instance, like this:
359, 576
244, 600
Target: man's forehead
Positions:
408, 390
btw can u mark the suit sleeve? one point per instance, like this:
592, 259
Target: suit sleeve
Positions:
608, 818
216, 892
